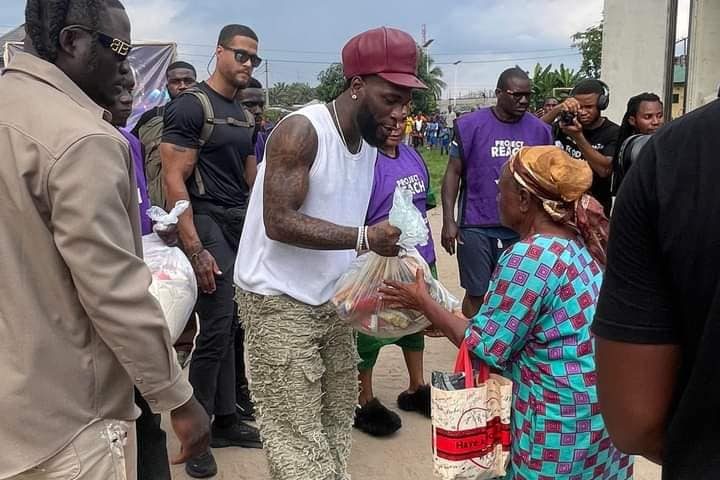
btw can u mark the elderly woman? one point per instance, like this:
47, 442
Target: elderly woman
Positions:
535, 322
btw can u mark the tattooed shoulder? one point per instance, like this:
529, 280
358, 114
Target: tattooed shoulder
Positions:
293, 143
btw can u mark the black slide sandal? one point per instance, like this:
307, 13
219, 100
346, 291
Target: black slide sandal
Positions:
376, 420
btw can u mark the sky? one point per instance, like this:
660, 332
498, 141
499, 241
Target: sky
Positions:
298, 39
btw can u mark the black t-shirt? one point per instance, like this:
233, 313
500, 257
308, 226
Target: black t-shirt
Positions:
221, 161
604, 140
662, 283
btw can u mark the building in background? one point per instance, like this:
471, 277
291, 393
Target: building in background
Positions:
678, 95
643, 58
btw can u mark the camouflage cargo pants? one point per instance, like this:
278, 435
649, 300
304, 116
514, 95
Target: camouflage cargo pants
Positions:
303, 378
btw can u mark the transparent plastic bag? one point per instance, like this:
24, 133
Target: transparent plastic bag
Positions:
357, 298
173, 278
164, 220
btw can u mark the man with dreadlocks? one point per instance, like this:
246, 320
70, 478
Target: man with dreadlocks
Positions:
78, 325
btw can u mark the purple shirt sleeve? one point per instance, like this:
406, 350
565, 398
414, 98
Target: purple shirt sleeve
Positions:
143, 196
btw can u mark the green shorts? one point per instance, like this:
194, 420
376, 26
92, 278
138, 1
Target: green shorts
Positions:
369, 347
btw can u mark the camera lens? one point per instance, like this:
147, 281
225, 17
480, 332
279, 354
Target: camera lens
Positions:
567, 117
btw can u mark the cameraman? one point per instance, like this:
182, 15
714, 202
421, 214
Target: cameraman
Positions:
643, 117
583, 132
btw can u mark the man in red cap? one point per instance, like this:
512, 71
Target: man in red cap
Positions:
305, 224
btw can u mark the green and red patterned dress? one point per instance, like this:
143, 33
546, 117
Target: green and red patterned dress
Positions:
535, 326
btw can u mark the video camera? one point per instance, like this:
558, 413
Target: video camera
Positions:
567, 118
626, 158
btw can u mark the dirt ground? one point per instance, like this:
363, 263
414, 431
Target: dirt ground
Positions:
407, 454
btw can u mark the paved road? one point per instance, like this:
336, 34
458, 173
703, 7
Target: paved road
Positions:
406, 455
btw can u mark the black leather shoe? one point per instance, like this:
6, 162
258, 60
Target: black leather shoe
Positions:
237, 435
203, 466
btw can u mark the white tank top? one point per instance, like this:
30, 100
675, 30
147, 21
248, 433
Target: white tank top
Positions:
339, 192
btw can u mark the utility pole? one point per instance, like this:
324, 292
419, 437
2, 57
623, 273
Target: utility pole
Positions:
425, 46
455, 84
267, 83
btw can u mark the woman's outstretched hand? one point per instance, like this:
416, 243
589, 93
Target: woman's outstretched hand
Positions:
412, 296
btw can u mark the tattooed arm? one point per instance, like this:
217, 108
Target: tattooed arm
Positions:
290, 153
178, 163
184, 120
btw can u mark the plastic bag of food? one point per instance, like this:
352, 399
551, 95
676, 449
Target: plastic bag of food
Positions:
173, 278
357, 298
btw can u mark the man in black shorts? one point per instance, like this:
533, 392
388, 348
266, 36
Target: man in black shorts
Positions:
483, 142
215, 173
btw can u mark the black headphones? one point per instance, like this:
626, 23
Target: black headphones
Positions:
603, 101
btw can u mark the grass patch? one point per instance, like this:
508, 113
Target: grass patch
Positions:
436, 164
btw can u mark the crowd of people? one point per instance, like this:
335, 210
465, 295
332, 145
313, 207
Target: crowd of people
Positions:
432, 132
608, 338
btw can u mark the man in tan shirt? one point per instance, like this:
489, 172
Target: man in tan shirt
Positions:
77, 324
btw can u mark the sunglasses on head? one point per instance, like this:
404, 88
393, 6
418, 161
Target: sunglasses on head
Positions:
519, 95
119, 47
242, 56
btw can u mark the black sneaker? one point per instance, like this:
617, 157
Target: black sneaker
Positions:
418, 401
376, 420
244, 405
238, 435
203, 466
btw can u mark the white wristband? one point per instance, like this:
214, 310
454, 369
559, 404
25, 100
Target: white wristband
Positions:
367, 239
359, 242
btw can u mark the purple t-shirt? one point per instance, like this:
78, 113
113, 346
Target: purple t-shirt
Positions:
260, 142
409, 171
485, 143
139, 164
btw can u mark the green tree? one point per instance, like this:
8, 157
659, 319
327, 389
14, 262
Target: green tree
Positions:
332, 83
425, 101
279, 94
590, 44
301, 93
545, 80
567, 78
288, 95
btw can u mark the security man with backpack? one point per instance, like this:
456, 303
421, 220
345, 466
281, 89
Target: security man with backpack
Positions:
208, 158
149, 129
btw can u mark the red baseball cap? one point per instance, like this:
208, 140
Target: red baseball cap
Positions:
386, 52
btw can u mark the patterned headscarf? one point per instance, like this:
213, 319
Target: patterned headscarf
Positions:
561, 184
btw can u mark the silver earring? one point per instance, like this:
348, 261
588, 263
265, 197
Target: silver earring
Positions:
354, 97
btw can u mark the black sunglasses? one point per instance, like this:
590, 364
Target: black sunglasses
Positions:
119, 47
519, 95
242, 56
